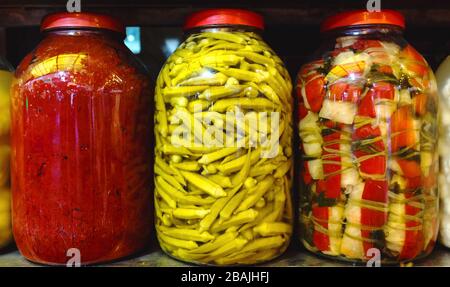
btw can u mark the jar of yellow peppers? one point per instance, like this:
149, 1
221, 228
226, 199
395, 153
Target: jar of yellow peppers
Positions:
5, 205
223, 156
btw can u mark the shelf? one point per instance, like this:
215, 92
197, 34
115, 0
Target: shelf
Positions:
293, 257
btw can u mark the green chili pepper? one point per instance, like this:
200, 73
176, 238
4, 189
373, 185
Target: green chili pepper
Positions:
257, 192
215, 93
216, 155
223, 36
238, 219
241, 75
216, 244
259, 104
185, 91
206, 222
204, 184
188, 213
186, 244
214, 204
237, 164
217, 79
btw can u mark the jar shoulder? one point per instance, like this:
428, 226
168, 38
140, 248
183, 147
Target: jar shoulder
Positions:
90, 55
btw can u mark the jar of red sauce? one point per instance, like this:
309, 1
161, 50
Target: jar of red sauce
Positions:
81, 144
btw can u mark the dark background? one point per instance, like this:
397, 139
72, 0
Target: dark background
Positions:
292, 26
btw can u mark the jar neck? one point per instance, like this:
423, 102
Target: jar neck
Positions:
79, 32
365, 30
224, 28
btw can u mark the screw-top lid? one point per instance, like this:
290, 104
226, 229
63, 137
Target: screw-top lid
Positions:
81, 20
363, 17
213, 17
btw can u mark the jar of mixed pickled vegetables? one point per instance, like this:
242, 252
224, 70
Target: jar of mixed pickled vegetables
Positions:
5, 151
368, 128
81, 144
443, 82
223, 157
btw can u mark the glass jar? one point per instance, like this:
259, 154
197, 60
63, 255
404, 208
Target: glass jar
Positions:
443, 82
81, 144
5, 152
368, 127
223, 144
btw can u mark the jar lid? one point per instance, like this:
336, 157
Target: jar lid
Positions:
363, 17
81, 20
211, 17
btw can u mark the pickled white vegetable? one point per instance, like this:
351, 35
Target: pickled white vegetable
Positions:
341, 112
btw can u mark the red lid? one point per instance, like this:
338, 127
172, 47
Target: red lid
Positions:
212, 17
80, 20
363, 17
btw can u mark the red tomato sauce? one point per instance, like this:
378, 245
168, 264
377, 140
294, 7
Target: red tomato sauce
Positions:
81, 148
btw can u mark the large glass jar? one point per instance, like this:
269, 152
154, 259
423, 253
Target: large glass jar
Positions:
443, 82
80, 144
5, 151
223, 144
368, 128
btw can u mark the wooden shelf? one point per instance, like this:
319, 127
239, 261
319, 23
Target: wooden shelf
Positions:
293, 257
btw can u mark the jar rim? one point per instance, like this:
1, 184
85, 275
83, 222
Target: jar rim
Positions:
221, 17
66, 20
363, 18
